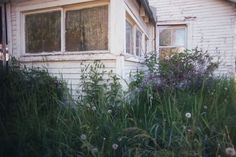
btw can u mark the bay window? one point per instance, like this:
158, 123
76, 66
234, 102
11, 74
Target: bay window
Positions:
129, 38
134, 39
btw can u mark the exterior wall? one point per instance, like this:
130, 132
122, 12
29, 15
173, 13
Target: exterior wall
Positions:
67, 65
211, 26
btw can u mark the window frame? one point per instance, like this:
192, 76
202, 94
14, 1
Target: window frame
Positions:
171, 27
62, 10
135, 28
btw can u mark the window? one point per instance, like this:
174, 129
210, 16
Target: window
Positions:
134, 38
172, 39
87, 29
43, 32
129, 38
138, 43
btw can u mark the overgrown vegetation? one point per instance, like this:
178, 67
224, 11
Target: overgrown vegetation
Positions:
159, 116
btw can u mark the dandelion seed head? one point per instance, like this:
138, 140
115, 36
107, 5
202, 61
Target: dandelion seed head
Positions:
94, 108
83, 137
115, 146
188, 115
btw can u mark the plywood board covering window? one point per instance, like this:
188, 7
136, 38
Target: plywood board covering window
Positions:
43, 32
87, 29
172, 39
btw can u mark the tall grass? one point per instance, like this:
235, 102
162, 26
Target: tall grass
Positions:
109, 122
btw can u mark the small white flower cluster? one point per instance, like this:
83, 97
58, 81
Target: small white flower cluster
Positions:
109, 111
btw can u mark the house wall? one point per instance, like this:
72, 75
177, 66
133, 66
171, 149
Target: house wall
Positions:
211, 26
132, 63
67, 65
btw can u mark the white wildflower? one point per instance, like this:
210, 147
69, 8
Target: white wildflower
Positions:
109, 111
87, 105
230, 151
188, 115
115, 146
83, 137
94, 108
226, 88
205, 107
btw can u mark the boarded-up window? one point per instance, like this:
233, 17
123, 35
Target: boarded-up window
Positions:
138, 43
172, 39
129, 38
87, 29
43, 32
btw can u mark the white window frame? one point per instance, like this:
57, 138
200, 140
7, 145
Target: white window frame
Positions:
135, 28
188, 34
189, 31
21, 36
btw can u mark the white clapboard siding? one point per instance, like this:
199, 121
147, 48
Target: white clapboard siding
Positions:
70, 72
213, 25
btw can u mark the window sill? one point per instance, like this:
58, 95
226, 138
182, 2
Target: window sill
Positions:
133, 58
68, 56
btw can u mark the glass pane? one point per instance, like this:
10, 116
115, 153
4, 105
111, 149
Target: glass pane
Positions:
179, 37
167, 52
43, 32
138, 43
87, 29
129, 38
165, 37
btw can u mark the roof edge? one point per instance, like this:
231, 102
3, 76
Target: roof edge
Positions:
147, 8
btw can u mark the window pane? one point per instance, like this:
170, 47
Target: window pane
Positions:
165, 37
167, 52
87, 29
129, 38
138, 43
179, 37
43, 32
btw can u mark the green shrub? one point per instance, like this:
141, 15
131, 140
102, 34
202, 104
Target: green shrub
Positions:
109, 122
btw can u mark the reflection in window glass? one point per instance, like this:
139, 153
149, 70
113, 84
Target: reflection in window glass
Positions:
165, 37
138, 43
179, 37
129, 38
87, 29
43, 32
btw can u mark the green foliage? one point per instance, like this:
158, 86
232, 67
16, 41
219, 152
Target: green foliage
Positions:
186, 68
108, 122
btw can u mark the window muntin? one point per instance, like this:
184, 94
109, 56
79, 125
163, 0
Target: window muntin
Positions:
43, 32
87, 29
172, 39
129, 38
138, 43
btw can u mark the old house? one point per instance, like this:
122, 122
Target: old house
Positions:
207, 24
60, 34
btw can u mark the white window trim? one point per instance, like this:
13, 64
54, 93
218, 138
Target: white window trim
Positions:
135, 27
23, 11
188, 24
